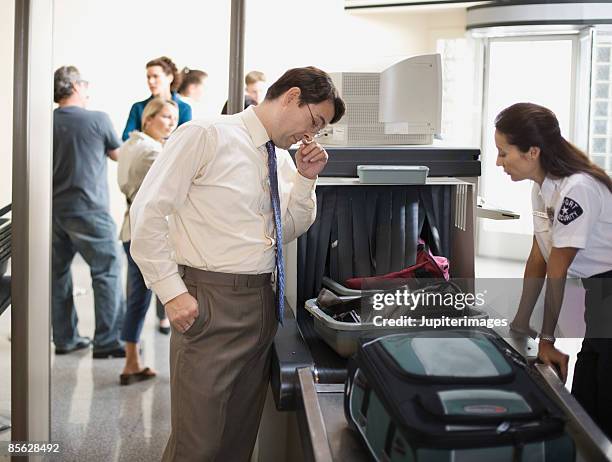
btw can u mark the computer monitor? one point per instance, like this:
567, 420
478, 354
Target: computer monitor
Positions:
401, 105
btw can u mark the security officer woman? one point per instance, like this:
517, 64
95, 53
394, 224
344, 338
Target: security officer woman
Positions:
572, 213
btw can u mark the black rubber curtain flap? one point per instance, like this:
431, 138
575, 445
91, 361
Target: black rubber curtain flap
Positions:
363, 231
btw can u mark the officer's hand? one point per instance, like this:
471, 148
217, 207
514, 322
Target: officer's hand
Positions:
311, 159
182, 311
548, 354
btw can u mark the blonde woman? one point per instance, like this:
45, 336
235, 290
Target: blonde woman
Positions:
159, 119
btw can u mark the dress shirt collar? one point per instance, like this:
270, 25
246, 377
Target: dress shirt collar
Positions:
258, 133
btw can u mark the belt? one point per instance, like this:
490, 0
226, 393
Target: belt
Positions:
226, 279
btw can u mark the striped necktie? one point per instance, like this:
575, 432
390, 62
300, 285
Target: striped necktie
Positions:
274, 196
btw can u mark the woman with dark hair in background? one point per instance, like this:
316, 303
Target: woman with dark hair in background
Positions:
191, 89
136, 156
163, 79
572, 213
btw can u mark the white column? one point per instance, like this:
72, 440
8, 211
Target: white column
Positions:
31, 216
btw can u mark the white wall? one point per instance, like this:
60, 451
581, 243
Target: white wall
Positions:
7, 20
111, 40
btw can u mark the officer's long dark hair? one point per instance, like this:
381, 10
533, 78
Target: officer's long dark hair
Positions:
527, 125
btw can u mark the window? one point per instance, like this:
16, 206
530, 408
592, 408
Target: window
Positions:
600, 139
461, 95
537, 69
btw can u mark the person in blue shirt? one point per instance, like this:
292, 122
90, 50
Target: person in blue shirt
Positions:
163, 79
83, 140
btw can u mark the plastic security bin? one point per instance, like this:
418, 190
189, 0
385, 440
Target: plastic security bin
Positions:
392, 174
343, 337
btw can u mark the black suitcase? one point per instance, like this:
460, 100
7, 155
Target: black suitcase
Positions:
451, 395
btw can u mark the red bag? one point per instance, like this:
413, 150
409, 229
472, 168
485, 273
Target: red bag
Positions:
427, 266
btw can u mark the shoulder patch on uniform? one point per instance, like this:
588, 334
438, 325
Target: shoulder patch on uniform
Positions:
569, 211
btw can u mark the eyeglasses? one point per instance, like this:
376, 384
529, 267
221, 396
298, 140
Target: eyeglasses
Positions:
316, 127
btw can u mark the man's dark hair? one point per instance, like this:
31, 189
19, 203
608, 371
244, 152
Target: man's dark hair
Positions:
63, 81
315, 85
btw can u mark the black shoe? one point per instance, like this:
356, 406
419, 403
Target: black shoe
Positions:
118, 352
163, 329
83, 343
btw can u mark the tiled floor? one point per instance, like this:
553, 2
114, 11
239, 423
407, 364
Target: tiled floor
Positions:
94, 417
97, 420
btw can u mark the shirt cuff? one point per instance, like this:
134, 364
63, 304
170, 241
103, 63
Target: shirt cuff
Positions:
302, 186
168, 288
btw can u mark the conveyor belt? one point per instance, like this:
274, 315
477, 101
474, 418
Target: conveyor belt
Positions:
299, 348
324, 413
329, 367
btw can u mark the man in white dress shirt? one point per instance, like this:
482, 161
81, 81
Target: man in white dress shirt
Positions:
204, 237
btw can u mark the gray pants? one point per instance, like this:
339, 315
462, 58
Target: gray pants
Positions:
219, 368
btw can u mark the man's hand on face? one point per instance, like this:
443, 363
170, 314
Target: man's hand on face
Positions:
182, 311
311, 159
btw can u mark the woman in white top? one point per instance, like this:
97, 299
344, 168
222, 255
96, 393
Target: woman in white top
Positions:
572, 203
191, 89
136, 156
